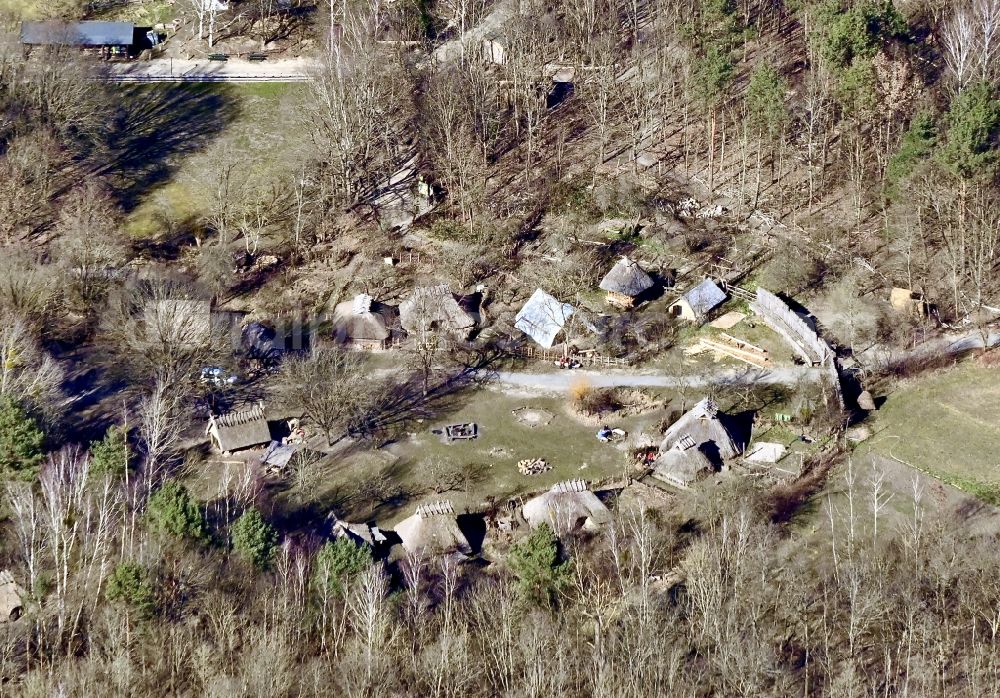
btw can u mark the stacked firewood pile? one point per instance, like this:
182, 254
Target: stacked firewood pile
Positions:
533, 466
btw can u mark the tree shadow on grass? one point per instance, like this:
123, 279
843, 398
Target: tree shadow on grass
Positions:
156, 123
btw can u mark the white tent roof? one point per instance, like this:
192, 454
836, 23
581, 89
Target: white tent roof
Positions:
543, 317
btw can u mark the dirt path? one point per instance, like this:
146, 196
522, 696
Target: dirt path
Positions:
560, 381
204, 70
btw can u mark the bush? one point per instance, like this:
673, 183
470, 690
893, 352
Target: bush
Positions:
338, 563
597, 402
130, 583
20, 440
111, 454
172, 510
255, 539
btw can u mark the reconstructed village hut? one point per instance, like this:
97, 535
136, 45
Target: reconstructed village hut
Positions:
433, 530
363, 322
625, 282
543, 318
696, 444
239, 430
434, 309
361, 534
567, 507
11, 605
698, 301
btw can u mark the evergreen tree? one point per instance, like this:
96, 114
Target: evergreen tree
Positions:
130, 583
111, 454
338, 562
970, 150
172, 510
766, 100
255, 539
915, 147
535, 563
20, 440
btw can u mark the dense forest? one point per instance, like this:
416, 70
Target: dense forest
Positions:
833, 149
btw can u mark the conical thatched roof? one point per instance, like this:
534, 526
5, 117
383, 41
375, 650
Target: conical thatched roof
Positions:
434, 309
362, 320
433, 529
10, 597
627, 278
566, 507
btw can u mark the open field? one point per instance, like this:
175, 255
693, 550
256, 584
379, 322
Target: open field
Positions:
250, 125
947, 424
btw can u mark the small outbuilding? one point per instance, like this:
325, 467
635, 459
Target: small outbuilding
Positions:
908, 302
361, 534
239, 430
698, 301
433, 530
567, 507
11, 604
363, 322
111, 39
696, 444
625, 283
435, 310
543, 318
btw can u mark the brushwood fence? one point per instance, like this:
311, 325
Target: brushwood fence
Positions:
591, 361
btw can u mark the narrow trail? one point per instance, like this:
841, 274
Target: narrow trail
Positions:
562, 380
204, 70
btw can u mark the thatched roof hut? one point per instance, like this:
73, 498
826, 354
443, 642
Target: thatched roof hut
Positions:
433, 530
625, 282
11, 605
239, 430
543, 317
435, 309
698, 301
566, 507
696, 443
363, 321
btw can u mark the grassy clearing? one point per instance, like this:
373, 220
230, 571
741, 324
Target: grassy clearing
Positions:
259, 134
947, 424
422, 467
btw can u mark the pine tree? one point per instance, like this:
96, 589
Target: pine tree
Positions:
172, 510
535, 563
255, 538
338, 562
20, 440
111, 454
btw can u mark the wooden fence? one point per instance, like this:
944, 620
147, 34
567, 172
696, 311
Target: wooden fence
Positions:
589, 360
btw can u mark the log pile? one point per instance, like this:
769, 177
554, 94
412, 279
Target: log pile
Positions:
533, 466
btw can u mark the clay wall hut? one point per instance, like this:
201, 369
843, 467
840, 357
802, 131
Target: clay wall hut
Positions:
698, 302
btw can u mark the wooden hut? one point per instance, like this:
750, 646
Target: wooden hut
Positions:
239, 430
625, 283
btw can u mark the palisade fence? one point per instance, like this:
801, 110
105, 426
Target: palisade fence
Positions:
813, 349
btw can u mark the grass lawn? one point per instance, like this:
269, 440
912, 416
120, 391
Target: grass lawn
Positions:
466, 472
947, 424
257, 131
